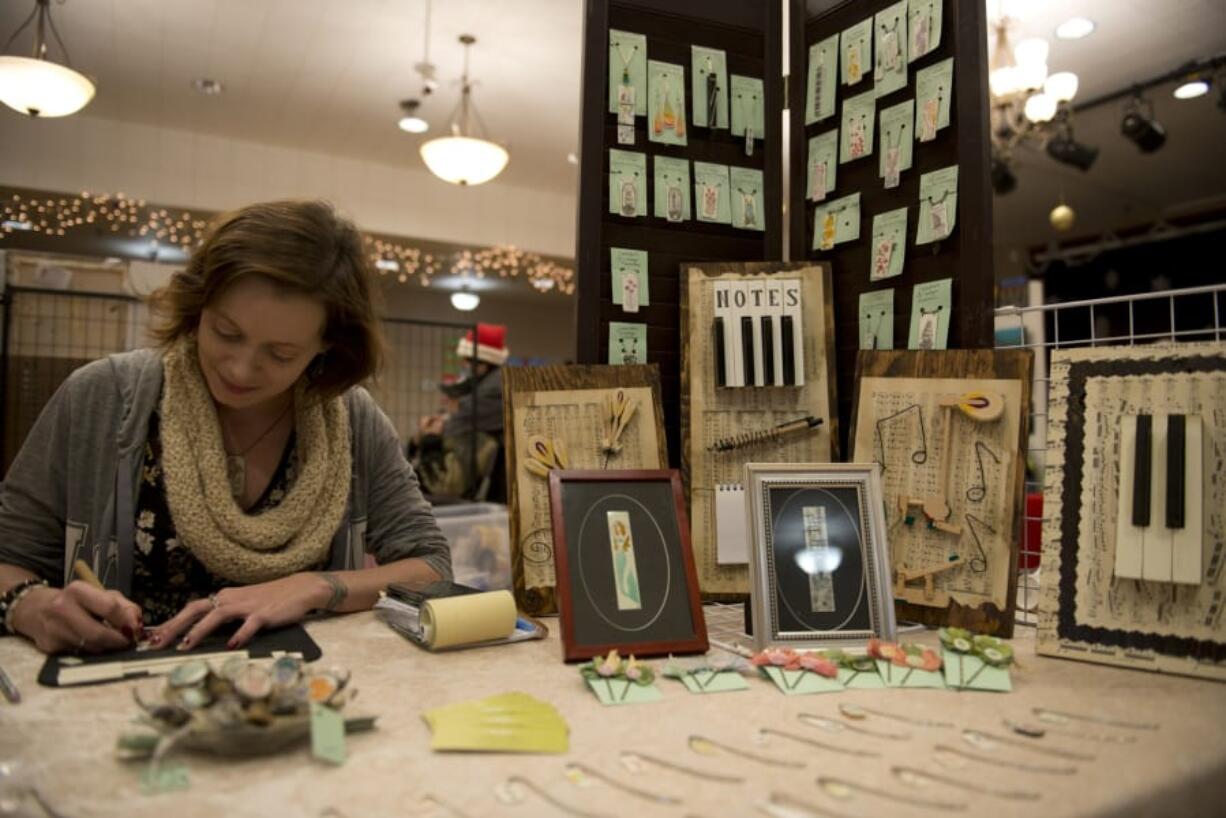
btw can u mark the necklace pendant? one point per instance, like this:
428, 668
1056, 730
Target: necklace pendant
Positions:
629, 198
748, 139
676, 204
236, 474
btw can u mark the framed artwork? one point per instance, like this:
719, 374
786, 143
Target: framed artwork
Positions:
625, 571
818, 565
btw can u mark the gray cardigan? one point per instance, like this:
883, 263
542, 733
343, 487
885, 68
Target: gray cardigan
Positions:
71, 491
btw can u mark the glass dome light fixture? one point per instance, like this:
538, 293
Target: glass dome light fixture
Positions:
466, 156
411, 122
464, 300
1075, 28
36, 86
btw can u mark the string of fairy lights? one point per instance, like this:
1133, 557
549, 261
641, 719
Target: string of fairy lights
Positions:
60, 215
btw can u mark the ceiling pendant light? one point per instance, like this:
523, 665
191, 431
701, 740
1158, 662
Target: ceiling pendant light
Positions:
36, 86
465, 300
465, 157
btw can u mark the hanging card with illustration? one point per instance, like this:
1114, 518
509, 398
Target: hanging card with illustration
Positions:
627, 183
837, 222
822, 80
666, 120
933, 95
890, 49
889, 244
856, 51
930, 313
709, 87
823, 166
923, 27
938, 205
897, 142
672, 188
712, 195
877, 319
630, 284
627, 75
747, 212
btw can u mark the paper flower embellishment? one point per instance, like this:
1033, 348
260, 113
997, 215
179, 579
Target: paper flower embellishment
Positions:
819, 664
860, 662
544, 455
956, 639
612, 666
995, 652
788, 659
885, 651
917, 657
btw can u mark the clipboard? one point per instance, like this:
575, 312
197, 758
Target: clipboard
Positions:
73, 671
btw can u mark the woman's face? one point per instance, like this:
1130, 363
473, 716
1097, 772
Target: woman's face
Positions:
256, 340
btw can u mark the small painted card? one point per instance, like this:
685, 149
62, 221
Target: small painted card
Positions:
823, 63
923, 27
931, 305
938, 205
897, 148
630, 280
823, 166
859, 120
889, 247
856, 51
627, 343
627, 183
890, 49
747, 211
837, 222
877, 319
672, 188
627, 75
711, 193
709, 87
934, 87
666, 122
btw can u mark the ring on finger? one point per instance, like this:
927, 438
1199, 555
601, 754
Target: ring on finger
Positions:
216, 603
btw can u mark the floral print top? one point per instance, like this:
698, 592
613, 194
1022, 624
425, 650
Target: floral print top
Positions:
166, 575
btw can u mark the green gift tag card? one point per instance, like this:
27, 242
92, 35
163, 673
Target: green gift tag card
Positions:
860, 679
709, 70
934, 87
822, 80
889, 246
747, 107
327, 734
168, 776
923, 27
666, 122
747, 199
672, 188
627, 72
630, 279
856, 51
714, 681
837, 222
969, 672
930, 313
938, 205
859, 121
627, 343
877, 319
627, 183
890, 48
897, 142
712, 196
823, 166
623, 691
801, 682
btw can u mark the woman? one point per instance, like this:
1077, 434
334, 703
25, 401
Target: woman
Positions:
237, 472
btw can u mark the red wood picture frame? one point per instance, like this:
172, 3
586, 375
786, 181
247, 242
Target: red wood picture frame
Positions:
573, 651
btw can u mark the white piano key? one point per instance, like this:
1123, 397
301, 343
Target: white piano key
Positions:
1156, 548
1128, 538
1187, 543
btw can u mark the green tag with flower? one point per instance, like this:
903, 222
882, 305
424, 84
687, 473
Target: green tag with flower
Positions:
976, 661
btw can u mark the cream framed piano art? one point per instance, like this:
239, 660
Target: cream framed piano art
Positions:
1135, 527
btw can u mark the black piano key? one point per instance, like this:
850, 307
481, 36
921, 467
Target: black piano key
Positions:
1141, 480
747, 348
788, 351
721, 357
1176, 442
768, 351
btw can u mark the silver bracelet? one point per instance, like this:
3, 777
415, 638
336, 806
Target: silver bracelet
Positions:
339, 590
11, 605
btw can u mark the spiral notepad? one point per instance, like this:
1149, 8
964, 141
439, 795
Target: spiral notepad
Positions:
731, 536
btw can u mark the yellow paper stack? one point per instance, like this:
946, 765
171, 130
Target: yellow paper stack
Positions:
507, 723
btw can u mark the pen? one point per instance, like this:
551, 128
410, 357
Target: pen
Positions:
86, 574
10, 690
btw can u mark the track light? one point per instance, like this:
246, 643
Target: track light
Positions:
1065, 149
1140, 126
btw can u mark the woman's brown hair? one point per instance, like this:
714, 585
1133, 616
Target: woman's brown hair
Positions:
304, 247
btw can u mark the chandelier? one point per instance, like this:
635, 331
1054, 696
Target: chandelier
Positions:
466, 157
1028, 105
36, 86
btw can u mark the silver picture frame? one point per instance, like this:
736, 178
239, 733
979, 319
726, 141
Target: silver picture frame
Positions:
819, 563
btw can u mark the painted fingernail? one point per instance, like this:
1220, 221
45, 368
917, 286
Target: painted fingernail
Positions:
232, 644
127, 632
184, 644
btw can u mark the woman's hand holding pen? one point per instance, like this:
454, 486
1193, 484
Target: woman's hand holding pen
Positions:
75, 619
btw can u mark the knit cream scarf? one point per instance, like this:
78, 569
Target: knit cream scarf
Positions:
244, 548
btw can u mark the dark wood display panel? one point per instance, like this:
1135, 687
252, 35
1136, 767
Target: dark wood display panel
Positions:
751, 35
966, 256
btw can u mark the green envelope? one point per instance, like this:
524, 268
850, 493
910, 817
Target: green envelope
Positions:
704, 681
860, 679
801, 682
895, 676
623, 691
961, 668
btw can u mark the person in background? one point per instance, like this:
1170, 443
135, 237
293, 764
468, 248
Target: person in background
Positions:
444, 444
237, 473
